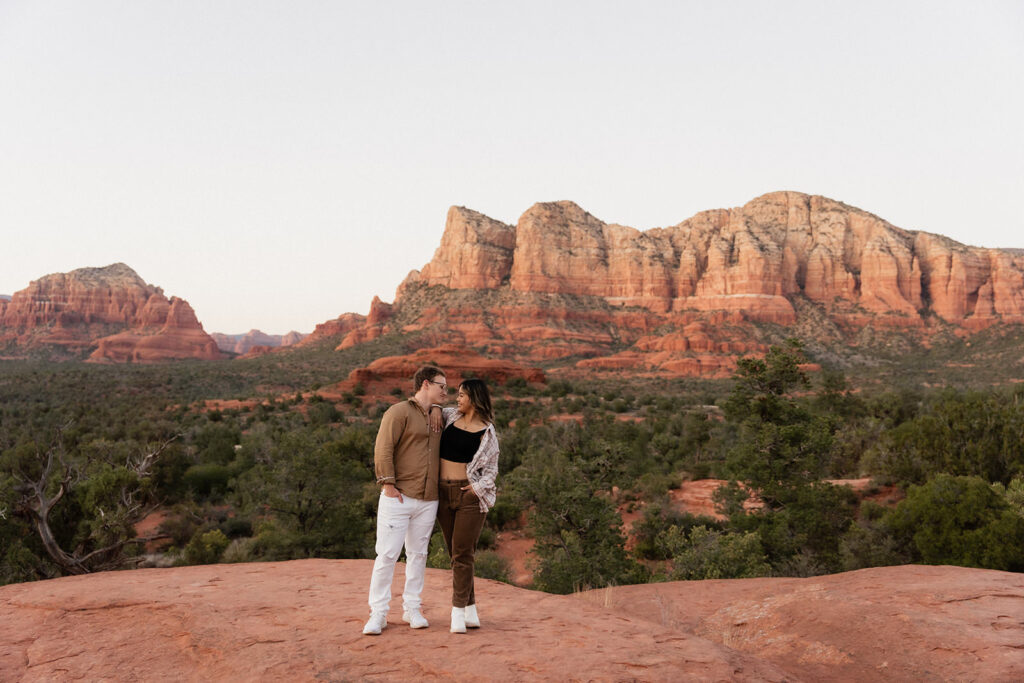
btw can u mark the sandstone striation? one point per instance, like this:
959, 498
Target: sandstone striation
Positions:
110, 309
688, 299
749, 259
302, 620
180, 336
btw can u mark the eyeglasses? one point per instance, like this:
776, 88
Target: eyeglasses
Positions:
444, 387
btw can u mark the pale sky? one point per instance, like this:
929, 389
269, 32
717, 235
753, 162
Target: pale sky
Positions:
280, 163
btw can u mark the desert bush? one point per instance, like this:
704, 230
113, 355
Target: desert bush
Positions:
206, 547
437, 555
961, 521
240, 550
648, 533
503, 513
704, 553
209, 480
491, 565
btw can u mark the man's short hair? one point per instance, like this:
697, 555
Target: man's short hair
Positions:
425, 374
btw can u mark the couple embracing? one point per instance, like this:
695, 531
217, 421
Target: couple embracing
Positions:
432, 462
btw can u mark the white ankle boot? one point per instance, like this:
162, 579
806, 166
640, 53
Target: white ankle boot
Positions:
458, 620
472, 620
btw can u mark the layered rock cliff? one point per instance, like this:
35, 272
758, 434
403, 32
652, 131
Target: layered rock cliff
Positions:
752, 259
687, 299
111, 310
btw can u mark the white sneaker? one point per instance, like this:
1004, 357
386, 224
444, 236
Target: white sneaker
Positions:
377, 623
472, 620
458, 620
415, 618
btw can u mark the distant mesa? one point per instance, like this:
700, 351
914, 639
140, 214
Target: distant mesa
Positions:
108, 313
244, 343
561, 285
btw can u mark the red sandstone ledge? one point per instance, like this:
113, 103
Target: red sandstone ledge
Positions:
302, 620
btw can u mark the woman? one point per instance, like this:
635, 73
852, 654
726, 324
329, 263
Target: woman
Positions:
469, 464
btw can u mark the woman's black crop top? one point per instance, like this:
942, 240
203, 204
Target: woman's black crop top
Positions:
458, 445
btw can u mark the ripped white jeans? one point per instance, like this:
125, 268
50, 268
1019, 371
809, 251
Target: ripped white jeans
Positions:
411, 523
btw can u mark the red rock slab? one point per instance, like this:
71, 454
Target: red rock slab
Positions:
909, 623
302, 621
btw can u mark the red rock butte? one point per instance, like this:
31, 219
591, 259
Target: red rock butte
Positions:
302, 621
109, 309
686, 299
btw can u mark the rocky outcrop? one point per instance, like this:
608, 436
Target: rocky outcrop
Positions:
475, 252
689, 298
243, 343
302, 620
887, 623
332, 329
181, 336
458, 362
750, 259
110, 309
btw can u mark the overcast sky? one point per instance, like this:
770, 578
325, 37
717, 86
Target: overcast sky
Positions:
280, 163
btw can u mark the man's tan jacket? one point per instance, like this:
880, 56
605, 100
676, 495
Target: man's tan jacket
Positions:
406, 453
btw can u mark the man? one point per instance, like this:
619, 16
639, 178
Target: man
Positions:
405, 459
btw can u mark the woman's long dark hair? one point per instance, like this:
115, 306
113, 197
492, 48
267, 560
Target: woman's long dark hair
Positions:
480, 397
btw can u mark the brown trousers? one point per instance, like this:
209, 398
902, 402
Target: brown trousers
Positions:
461, 520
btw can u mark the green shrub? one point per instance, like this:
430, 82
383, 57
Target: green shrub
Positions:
236, 527
487, 538
704, 553
649, 532
208, 480
240, 550
206, 547
960, 521
503, 514
437, 556
491, 565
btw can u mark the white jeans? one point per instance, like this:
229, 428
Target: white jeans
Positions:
410, 522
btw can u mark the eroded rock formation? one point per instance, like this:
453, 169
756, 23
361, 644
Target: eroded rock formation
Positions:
750, 259
111, 309
689, 298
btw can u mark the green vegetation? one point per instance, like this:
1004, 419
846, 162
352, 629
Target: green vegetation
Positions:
86, 451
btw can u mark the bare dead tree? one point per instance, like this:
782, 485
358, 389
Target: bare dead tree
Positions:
40, 494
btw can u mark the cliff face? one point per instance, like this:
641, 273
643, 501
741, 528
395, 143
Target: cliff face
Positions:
111, 309
688, 298
751, 259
